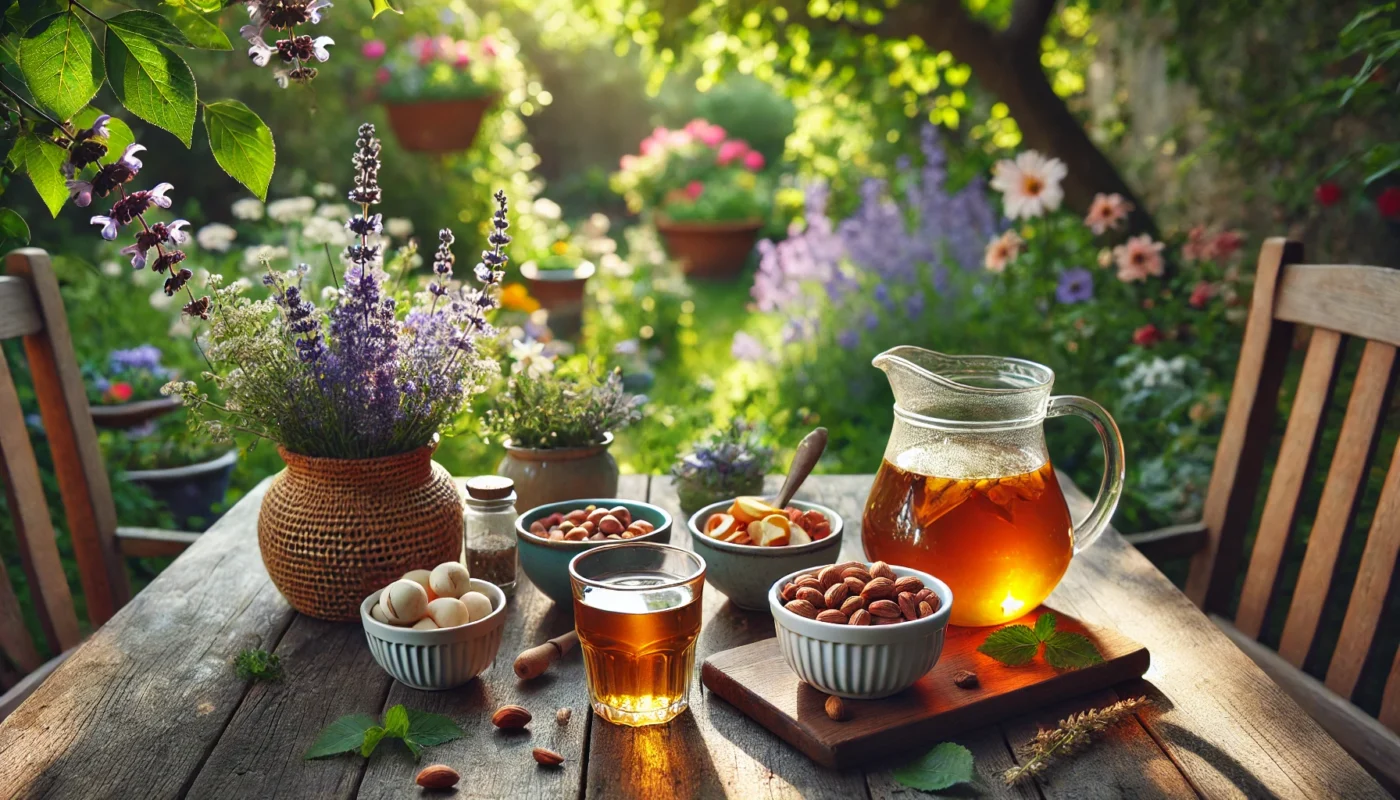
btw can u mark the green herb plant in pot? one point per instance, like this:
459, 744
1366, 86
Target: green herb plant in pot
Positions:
126, 394
182, 470
556, 428
557, 280
726, 464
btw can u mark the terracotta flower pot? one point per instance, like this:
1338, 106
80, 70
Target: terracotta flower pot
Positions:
130, 415
561, 292
333, 530
709, 249
438, 126
565, 473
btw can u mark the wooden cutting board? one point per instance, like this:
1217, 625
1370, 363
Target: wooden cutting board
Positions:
756, 680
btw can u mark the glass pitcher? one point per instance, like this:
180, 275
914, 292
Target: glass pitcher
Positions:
966, 492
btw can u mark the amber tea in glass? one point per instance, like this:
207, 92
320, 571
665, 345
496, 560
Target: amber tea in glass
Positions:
637, 612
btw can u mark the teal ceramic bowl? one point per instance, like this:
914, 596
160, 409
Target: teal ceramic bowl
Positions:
546, 563
745, 572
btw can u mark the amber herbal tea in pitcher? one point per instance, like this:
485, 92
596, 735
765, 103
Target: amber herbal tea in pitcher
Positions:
966, 491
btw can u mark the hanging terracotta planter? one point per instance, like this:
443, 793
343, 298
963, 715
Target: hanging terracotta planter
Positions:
438, 126
190, 492
716, 250
333, 530
561, 473
561, 292
129, 415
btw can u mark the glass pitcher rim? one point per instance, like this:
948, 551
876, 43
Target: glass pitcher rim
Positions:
1046, 374
1038, 379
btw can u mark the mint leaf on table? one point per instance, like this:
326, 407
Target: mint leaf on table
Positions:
430, 730
373, 737
1065, 650
1044, 626
1013, 645
396, 722
946, 765
342, 736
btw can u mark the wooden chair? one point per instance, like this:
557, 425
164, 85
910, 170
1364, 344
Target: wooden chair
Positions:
1336, 301
31, 308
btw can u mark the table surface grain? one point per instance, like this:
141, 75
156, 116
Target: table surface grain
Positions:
149, 706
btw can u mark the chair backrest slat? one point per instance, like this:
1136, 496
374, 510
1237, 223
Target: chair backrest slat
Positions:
14, 636
1249, 421
34, 532
1295, 461
1390, 701
18, 315
82, 475
1355, 300
1368, 596
1337, 510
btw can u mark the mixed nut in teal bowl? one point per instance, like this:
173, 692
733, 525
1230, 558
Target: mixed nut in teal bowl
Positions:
545, 560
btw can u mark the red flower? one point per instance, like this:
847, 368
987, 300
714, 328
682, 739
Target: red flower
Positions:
1388, 202
694, 189
1226, 244
1327, 193
1147, 335
119, 391
1202, 294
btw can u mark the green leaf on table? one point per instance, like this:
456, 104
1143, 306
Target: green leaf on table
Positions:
943, 767
61, 63
373, 737
396, 722
345, 735
1066, 650
43, 160
152, 81
205, 6
429, 730
201, 32
242, 144
380, 6
14, 231
1044, 626
119, 134
149, 26
1013, 645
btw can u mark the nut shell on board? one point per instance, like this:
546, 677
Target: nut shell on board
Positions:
437, 776
836, 709
511, 717
547, 758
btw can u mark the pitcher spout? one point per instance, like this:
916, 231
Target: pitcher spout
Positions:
965, 388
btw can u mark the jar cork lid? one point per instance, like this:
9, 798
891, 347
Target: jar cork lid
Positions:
490, 487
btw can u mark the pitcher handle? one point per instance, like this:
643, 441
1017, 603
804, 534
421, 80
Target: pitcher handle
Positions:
1111, 487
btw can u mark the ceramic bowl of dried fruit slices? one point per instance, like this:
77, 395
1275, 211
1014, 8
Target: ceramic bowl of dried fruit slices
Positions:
860, 630
747, 544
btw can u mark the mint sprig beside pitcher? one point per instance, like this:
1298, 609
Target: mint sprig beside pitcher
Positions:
1017, 645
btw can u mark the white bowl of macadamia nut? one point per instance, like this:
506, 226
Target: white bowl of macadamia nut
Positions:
435, 629
860, 630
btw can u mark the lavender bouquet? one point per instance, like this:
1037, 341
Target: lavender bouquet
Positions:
379, 371
724, 465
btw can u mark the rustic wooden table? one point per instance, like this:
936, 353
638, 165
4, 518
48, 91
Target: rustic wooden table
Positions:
149, 706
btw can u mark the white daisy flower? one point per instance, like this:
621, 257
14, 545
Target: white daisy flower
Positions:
1030, 185
249, 208
215, 237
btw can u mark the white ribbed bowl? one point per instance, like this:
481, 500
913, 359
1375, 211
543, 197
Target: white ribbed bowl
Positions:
437, 659
862, 662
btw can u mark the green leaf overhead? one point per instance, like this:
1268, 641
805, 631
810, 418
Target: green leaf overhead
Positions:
197, 28
14, 231
345, 735
1013, 645
152, 81
43, 160
380, 6
205, 6
61, 63
149, 26
242, 144
943, 767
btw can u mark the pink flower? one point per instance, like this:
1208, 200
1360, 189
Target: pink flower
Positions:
1202, 294
731, 151
446, 47
710, 135
1138, 258
374, 48
678, 139
489, 47
1002, 251
1197, 247
694, 189
1147, 335
628, 162
1106, 212
382, 75
753, 161
463, 57
426, 49
1226, 244
653, 146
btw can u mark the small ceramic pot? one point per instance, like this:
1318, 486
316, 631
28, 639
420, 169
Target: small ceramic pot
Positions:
191, 491
546, 562
129, 415
438, 126
862, 662
716, 250
560, 291
438, 659
744, 572
564, 473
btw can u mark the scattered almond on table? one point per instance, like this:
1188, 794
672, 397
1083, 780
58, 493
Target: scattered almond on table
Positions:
547, 758
592, 524
438, 776
511, 717
836, 709
562, 716
752, 521
852, 593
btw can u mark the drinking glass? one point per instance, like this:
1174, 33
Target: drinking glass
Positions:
637, 611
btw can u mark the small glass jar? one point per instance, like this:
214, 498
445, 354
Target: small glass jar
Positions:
489, 529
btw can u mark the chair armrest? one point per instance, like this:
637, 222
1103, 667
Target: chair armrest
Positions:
1173, 541
153, 542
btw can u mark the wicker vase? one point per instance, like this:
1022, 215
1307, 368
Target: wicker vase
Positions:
334, 530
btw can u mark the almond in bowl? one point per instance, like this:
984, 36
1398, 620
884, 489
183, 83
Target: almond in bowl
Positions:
747, 544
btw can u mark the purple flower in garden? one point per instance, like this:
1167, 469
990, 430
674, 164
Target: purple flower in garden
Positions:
109, 177
914, 304
745, 347
159, 233
872, 321
87, 146
296, 50
142, 357
442, 263
848, 339
1076, 286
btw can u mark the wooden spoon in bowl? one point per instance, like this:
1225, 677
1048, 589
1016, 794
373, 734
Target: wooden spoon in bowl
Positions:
809, 451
